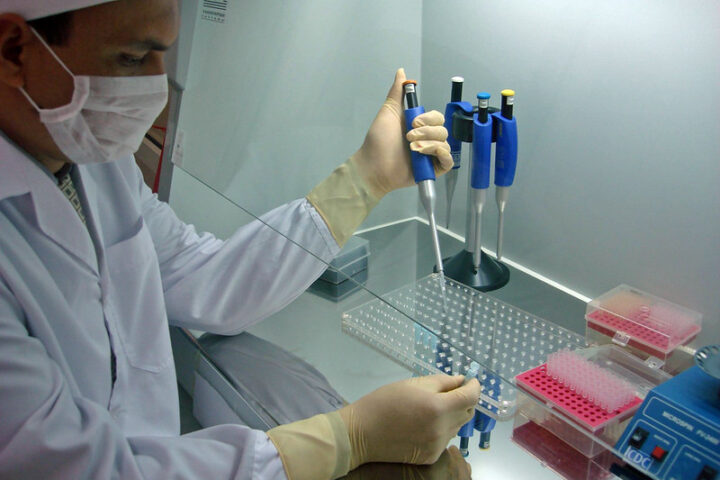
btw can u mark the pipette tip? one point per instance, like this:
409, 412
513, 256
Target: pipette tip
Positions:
473, 371
443, 289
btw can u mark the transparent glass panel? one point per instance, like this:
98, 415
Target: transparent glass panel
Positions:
262, 143
413, 325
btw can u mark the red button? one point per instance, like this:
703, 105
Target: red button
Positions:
658, 453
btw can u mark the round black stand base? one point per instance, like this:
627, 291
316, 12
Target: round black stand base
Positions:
490, 276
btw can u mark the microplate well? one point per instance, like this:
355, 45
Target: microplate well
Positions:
410, 326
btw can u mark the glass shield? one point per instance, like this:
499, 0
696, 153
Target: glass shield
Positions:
278, 96
363, 329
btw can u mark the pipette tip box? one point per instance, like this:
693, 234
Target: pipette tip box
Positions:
630, 317
347, 272
577, 406
352, 259
593, 392
339, 291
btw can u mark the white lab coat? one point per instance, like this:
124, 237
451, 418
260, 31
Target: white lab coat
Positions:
69, 294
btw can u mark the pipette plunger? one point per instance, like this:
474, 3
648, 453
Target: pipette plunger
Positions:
508, 99
483, 106
457, 86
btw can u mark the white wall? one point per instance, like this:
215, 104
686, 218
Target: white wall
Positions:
617, 102
283, 92
618, 111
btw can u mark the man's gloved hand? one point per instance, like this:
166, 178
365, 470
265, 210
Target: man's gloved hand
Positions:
381, 165
384, 158
410, 421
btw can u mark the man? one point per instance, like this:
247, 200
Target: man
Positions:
92, 265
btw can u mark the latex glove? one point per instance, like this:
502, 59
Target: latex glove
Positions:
450, 466
410, 421
384, 158
381, 165
314, 449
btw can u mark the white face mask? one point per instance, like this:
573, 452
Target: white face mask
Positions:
107, 117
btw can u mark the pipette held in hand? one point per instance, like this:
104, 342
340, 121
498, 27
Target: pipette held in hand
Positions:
423, 170
466, 431
505, 158
424, 173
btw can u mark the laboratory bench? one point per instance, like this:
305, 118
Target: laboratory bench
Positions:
400, 255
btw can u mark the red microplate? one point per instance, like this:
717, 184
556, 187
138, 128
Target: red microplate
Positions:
603, 322
537, 383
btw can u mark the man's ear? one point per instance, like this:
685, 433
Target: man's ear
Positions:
15, 36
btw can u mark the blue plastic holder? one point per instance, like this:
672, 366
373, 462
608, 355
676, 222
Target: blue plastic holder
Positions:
455, 143
506, 149
422, 165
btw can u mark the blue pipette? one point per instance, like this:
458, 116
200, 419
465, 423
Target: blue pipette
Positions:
455, 144
480, 173
506, 151
466, 431
424, 173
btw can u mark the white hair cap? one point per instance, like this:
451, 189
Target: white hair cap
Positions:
33, 9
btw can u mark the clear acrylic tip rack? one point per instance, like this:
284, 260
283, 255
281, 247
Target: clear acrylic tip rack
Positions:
418, 328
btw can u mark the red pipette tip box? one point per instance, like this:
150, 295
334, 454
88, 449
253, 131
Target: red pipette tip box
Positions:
539, 384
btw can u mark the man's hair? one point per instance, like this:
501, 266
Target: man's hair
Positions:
54, 29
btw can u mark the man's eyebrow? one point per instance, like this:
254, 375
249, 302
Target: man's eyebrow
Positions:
149, 44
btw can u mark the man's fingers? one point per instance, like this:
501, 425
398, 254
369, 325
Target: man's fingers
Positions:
434, 132
463, 397
438, 383
444, 158
433, 117
439, 150
396, 91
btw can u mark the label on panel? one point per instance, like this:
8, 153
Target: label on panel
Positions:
214, 10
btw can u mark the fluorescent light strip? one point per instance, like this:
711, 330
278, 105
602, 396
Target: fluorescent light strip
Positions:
516, 265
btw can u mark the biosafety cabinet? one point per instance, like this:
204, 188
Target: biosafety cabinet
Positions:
615, 182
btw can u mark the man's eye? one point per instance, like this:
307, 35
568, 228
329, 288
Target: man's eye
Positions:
131, 60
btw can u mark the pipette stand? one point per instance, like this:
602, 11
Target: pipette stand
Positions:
492, 274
